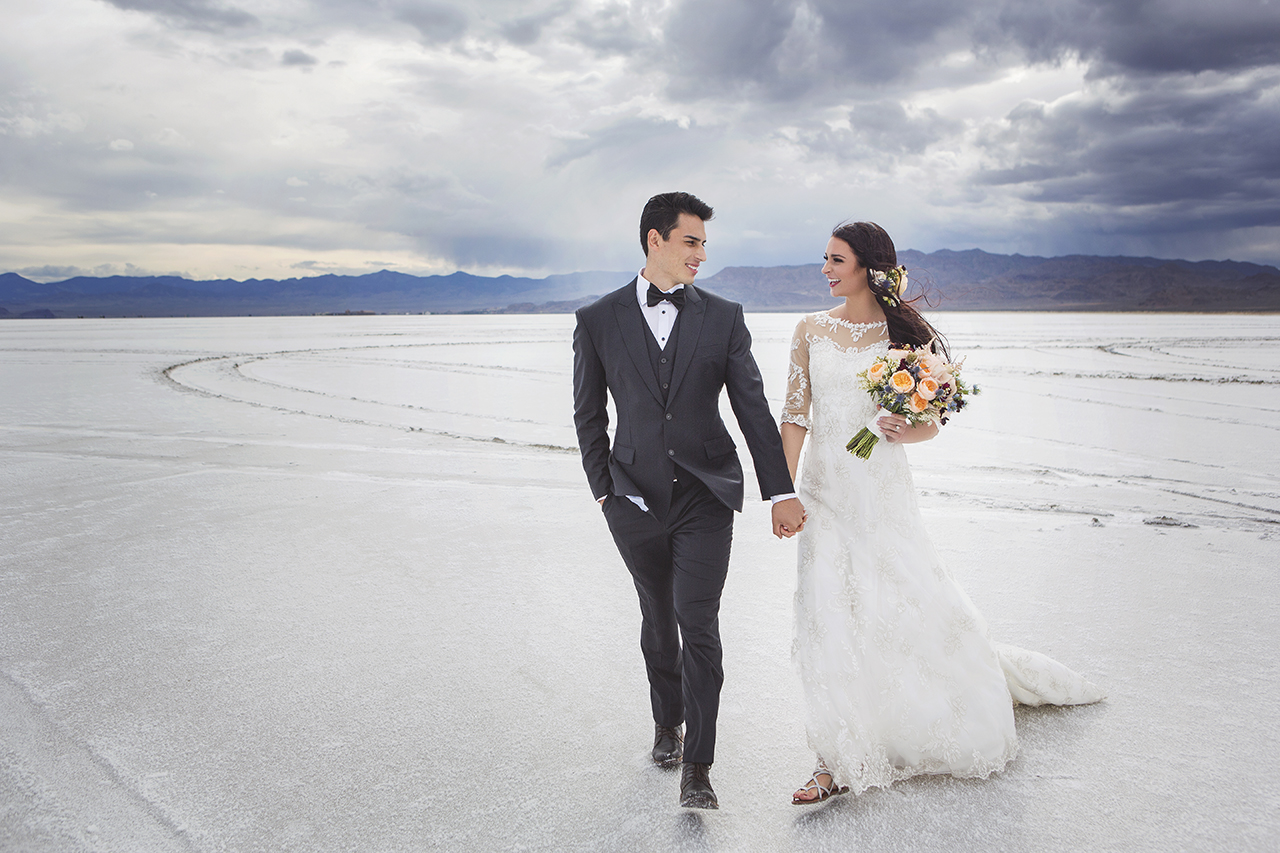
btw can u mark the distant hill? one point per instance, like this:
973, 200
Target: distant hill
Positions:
384, 292
968, 280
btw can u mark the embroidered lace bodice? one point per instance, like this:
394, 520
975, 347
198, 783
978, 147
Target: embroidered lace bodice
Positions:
857, 343
899, 675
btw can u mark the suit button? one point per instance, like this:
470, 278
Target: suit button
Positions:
671, 453
668, 416
662, 360
664, 385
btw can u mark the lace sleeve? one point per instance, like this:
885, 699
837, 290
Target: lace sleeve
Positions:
795, 408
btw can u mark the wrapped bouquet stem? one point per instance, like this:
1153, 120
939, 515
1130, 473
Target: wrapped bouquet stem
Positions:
912, 381
866, 438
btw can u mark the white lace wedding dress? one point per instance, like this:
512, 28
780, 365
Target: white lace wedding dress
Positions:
899, 676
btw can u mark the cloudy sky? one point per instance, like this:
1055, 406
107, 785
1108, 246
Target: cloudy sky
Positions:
272, 138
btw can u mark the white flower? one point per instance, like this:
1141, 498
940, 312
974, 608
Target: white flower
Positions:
902, 281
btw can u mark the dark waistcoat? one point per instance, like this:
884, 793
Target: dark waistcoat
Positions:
663, 359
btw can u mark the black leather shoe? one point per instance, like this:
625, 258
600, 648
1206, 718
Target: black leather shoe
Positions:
695, 787
668, 746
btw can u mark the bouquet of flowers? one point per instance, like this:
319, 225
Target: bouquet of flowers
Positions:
914, 382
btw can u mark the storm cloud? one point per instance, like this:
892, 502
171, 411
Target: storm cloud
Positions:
232, 139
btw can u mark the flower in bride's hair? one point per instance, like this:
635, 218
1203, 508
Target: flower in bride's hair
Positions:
917, 403
927, 388
876, 372
902, 382
888, 284
897, 280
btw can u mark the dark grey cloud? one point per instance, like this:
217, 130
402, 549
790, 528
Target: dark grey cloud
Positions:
880, 131
613, 30
435, 22
527, 29
1149, 37
640, 145
444, 217
726, 44
778, 50
1176, 132
297, 57
860, 44
191, 14
783, 49
1153, 143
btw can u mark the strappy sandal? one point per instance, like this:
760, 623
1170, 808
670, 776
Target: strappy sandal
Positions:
824, 791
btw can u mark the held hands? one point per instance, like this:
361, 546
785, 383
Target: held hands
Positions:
897, 430
788, 518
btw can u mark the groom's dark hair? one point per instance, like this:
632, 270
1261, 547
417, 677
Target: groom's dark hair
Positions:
663, 211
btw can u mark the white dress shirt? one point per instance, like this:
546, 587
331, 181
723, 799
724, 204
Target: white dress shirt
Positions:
660, 317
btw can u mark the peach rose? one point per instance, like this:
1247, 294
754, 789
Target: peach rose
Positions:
927, 387
877, 371
917, 403
930, 364
902, 382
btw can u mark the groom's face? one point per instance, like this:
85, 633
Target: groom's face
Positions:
676, 260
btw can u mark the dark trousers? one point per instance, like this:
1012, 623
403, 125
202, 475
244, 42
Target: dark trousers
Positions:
679, 566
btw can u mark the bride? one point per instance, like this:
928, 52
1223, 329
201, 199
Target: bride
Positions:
898, 674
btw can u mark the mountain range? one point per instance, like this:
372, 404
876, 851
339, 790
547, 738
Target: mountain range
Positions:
948, 280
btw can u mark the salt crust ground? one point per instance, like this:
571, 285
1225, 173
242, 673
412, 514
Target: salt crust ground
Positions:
336, 584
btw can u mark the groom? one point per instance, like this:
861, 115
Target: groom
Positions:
671, 481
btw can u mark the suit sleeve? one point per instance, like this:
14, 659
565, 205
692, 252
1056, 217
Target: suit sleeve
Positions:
590, 415
746, 396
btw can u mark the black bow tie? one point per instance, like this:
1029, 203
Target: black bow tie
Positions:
675, 297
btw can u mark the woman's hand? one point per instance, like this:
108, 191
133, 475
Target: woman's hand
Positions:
897, 430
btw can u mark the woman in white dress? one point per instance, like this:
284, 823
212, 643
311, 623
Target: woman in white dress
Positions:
898, 674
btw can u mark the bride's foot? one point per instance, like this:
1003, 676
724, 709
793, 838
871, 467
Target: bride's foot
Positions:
821, 785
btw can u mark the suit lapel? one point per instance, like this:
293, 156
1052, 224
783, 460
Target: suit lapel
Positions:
632, 328
691, 317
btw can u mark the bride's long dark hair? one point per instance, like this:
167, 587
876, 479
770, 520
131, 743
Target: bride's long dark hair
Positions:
874, 249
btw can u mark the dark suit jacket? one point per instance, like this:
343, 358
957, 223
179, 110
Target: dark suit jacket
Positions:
713, 351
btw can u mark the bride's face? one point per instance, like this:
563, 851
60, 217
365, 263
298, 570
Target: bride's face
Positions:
845, 273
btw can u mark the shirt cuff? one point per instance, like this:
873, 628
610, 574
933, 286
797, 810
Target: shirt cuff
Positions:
788, 496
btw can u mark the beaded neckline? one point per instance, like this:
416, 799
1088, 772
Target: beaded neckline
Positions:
859, 328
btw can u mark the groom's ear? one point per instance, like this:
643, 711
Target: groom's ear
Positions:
653, 239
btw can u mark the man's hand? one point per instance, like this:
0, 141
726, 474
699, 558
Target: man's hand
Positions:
788, 518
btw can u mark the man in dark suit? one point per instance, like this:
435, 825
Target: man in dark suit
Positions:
671, 481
